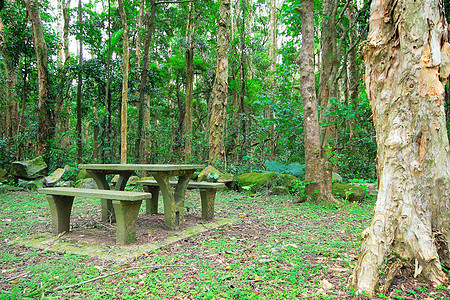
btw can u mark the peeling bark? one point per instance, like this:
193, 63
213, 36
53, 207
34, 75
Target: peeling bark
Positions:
126, 68
406, 68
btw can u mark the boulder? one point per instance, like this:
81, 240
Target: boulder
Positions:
29, 169
287, 180
3, 175
352, 193
62, 183
51, 180
86, 183
256, 182
83, 174
132, 180
205, 174
279, 190
228, 180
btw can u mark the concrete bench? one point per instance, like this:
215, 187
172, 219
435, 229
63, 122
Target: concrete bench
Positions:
207, 195
126, 207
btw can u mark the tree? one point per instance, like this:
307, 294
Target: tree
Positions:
407, 63
79, 88
126, 68
220, 88
45, 126
305, 61
189, 87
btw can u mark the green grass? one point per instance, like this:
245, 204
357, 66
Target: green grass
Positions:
277, 249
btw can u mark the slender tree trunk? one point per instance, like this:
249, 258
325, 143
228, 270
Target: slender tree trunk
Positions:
142, 139
45, 126
79, 90
407, 64
305, 61
106, 151
189, 87
273, 49
126, 68
353, 76
220, 89
237, 111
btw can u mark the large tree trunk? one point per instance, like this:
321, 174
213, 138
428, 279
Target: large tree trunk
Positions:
126, 68
407, 62
305, 61
273, 51
220, 89
45, 126
189, 87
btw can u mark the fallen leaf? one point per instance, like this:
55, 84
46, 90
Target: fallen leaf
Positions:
257, 278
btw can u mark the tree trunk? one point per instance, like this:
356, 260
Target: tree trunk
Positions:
352, 73
220, 89
106, 149
126, 68
79, 90
45, 126
142, 140
189, 87
327, 91
305, 61
273, 49
407, 63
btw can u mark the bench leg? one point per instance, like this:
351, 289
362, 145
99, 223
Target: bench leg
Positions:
151, 206
60, 208
208, 196
108, 211
126, 216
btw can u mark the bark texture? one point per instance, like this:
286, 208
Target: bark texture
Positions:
407, 63
305, 61
189, 87
125, 70
220, 88
45, 126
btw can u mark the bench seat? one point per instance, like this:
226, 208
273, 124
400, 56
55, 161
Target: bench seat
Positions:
126, 207
207, 194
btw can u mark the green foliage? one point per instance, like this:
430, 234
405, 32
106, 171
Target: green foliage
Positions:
295, 169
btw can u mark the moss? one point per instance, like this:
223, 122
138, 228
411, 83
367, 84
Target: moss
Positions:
83, 174
257, 181
203, 176
287, 181
355, 193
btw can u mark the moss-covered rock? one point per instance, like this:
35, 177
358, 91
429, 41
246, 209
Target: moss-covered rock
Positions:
205, 174
86, 183
29, 169
279, 190
83, 174
228, 180
287, 180
3, 174
132, 180
354, 193
52, 179
256, 182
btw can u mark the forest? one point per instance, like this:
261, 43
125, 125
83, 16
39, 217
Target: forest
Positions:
355, 90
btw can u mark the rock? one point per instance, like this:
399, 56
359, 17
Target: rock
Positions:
287, 180
228, 179
51, 180
352, 193
256, 182
83, 174
280, 190
205, 174
336, 177
3, 175
62, 183
29, 169
132, 180
31, 185
86, 183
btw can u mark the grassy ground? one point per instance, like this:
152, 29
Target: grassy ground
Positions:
277, 249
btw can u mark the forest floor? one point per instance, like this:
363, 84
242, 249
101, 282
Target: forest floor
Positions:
275, 248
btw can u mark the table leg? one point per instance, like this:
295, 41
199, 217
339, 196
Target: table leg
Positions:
60, 209
207, 196
151, 206
107, 206
173, 198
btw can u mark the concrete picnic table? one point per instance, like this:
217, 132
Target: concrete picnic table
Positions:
173, 196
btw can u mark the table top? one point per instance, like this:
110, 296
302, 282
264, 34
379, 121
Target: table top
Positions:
139, 167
